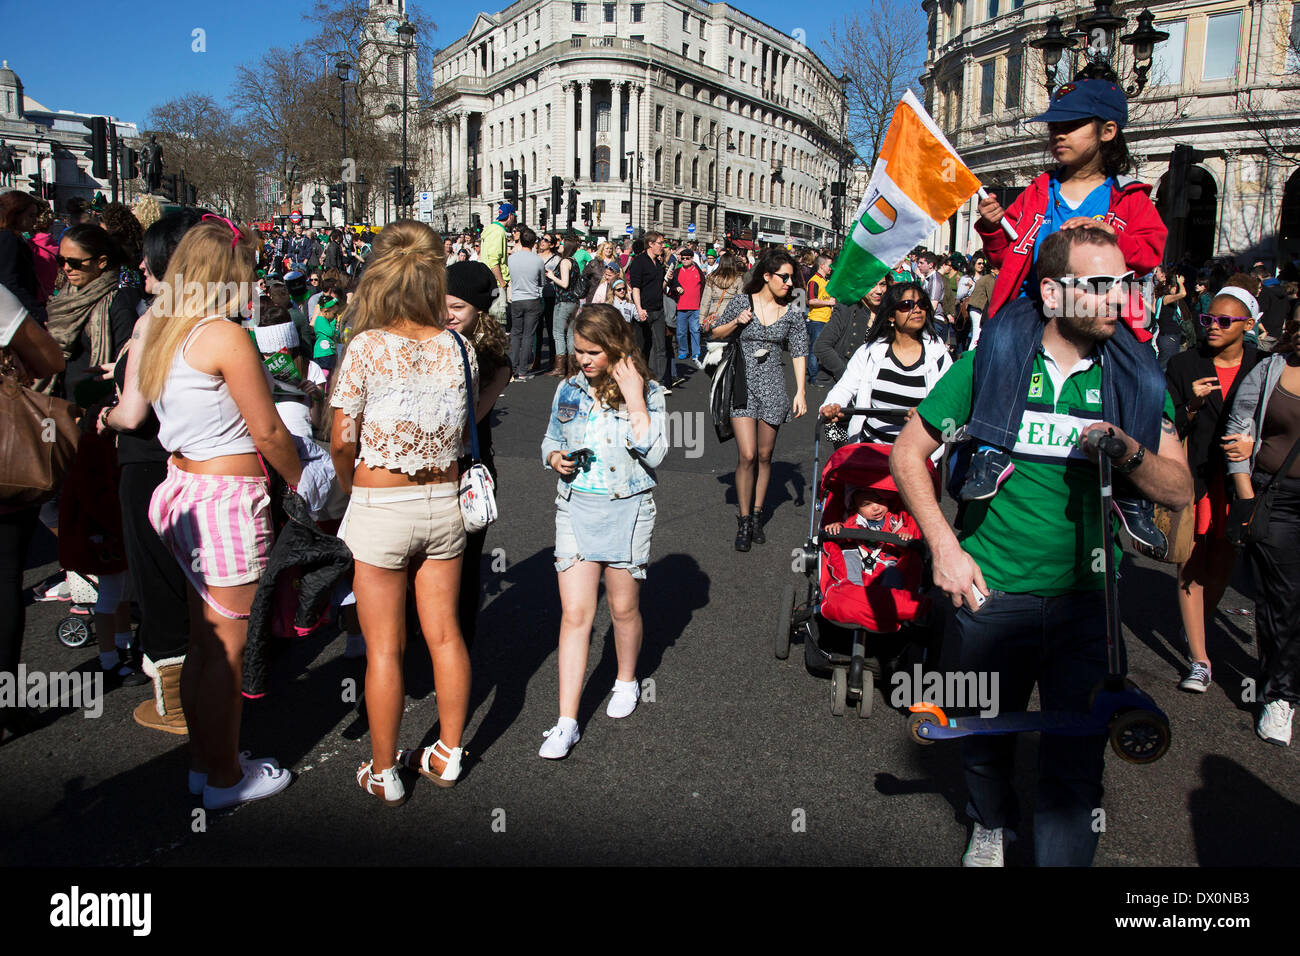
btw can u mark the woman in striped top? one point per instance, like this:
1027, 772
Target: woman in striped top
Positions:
896, 366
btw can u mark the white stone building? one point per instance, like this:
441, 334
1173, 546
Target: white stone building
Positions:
1227, 82
662, 113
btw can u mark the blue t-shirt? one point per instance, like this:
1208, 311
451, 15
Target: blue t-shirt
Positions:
1095, 205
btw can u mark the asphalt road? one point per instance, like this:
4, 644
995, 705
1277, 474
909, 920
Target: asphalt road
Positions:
736, 761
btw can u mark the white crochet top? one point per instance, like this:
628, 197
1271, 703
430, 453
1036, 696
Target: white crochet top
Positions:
410, 397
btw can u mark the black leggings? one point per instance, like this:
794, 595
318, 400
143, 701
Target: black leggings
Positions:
156, 577
16, 529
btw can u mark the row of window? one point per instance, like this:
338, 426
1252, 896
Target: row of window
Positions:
775, 192
608, 13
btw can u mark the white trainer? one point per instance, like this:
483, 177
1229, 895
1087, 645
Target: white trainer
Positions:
259, 782
626, 694
559, 742
985, 848
246, 762
1275, 722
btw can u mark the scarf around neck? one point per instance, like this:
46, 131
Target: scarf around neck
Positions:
74, 310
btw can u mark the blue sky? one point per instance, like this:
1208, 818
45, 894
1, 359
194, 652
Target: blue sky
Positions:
124, 57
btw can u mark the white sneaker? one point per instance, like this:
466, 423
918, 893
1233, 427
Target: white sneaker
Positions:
626, 694
246, 762
1275, 722
558, 743
258, 783
985, 848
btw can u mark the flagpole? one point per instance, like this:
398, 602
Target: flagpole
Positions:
1006, 226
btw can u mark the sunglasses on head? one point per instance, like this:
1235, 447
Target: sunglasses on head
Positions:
1222, 321
1097, 285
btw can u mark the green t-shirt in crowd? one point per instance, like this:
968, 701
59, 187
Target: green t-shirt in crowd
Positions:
582, 257
1041, 533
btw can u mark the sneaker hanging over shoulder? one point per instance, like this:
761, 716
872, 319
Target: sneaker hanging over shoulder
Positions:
985, 848
1274, 724
1138, 517
990, 466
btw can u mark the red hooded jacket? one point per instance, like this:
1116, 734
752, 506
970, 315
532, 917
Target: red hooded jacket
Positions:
1138, 227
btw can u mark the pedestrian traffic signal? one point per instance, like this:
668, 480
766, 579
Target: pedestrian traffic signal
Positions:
131, 163
98, 142
476, 221
48, 191
34, 184
395, 184
573, 205
541, 217
557, 195
408, 191
510, 179
336, 195
586, 212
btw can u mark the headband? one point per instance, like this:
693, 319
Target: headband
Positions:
233, 228
1242, 296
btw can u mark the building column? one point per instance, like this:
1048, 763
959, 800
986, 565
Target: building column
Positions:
616, 126
634, 119
568, 125
462, 147
586, 135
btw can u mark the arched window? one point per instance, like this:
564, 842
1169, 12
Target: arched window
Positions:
534, 165
727, 191
659, 165
751, 185
600, 171
762, 189
602, 117
695, 173
712, 181
677, 170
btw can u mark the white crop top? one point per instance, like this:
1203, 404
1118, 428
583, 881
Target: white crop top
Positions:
410, 397
197, 418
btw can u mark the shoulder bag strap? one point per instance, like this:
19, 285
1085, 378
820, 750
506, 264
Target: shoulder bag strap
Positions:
469, 393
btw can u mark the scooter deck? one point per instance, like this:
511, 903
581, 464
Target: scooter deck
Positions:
1105, 705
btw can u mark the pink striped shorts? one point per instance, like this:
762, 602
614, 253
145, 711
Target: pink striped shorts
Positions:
218, 527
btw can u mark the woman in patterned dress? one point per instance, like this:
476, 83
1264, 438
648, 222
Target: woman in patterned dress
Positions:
765, 319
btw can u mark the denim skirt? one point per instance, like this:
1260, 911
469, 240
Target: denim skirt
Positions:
613, 531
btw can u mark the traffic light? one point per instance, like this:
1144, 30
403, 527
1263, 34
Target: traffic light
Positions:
336, 195
476, 222
395, 184
510, 179
586, 212
49, 191
573, 205
408, 191
541, 217
557, 195
131, 163
98, 142
34, 184
191, 195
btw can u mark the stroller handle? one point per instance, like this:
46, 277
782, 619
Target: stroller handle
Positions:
863, 534
884, 414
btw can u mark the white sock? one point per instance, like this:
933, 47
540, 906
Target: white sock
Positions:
567, 724
122, 640
627, 687
109, 659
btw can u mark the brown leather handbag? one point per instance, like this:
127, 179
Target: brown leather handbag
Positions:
38, 439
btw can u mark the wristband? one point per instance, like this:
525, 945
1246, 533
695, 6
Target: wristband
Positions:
1130, 465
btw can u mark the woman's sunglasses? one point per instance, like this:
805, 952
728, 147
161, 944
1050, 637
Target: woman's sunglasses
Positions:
907, 305
785, 277
78, 264
1222, 321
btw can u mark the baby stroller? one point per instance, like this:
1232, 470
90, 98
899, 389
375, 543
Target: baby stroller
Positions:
73, 631
855, 627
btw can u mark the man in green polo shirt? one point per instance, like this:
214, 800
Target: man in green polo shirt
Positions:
1025, 570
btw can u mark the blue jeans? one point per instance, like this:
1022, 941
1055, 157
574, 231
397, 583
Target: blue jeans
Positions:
1132, 385
814, 329
688, 334
1060, 644
562, 327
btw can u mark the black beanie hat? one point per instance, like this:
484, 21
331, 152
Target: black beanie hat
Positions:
472, 282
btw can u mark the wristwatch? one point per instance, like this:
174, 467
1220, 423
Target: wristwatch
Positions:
1128, 466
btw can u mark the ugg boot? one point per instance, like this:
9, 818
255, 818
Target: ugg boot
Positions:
163, 712
560, 367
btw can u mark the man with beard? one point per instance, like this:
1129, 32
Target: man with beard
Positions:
1023, 570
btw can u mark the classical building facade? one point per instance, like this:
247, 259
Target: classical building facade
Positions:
50, 142
664, 114
1226, 82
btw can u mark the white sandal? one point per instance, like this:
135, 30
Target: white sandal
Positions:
387, 786
420, 760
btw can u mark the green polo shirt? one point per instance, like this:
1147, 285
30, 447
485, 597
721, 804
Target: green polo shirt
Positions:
1041, 533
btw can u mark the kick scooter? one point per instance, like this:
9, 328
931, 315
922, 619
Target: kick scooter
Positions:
1138, 729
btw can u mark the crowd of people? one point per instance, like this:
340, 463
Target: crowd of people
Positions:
352, 379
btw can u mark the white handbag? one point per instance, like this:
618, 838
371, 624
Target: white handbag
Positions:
478, 503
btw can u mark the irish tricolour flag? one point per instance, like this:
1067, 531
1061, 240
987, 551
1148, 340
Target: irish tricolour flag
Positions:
919, 181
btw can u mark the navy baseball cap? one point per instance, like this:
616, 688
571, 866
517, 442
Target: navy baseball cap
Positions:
1085, 99
505, 212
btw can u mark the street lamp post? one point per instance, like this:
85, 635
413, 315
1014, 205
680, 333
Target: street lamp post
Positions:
844, 122
407, 34
341, 68
1096, 38
631, 185
716, 135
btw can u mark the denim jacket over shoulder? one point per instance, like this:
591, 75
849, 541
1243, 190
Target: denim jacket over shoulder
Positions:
1250, 407
630, 464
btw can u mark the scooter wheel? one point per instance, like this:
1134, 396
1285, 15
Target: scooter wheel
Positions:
73, 632
1139, 736
839, 691
916, 722
784, 621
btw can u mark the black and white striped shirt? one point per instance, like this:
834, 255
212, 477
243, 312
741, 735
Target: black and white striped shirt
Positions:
896, 386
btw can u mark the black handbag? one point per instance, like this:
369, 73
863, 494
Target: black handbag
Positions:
729, 389
1248, 518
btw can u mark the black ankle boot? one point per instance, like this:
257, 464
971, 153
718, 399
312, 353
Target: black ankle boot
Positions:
760, 517
744, 531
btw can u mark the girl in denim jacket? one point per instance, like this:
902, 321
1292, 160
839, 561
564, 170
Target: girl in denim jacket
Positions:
605, 438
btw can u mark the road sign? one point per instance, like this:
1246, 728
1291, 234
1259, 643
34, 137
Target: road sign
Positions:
426, 204
629, 229
295, 217
690, 229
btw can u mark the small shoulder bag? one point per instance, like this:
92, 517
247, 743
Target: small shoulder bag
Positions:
478, 503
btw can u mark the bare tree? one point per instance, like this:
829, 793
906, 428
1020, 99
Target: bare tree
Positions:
881, 49
202, 138
1273, 111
